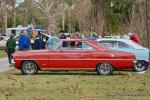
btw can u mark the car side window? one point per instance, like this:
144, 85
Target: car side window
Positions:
70, 45
109, 44
74, 45
86, 46
123, 45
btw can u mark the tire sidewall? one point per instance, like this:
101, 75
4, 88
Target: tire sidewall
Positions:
100, 73
143, 63
23, 68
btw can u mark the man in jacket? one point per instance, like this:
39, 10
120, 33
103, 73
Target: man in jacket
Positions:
38, 43
24, 41
11, 44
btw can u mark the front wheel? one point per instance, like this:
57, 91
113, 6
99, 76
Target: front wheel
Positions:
29, 68
104, 69
140, 66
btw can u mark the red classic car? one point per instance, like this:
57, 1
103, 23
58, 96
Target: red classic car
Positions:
72, 55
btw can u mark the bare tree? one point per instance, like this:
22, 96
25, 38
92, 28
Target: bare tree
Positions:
50, 8
4, 7
7, 6
13, 4
147, 3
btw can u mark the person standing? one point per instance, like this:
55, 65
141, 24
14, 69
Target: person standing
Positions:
24, 41
10, 44
63, 36
39, 43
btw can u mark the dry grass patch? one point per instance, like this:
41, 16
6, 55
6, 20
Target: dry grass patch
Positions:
3, 53
74, 86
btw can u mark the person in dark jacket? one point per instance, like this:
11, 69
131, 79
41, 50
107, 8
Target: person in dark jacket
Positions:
10, 44
63, 36
39, 43
24, 41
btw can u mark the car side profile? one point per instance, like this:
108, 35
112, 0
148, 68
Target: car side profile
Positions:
73, 55
126, 45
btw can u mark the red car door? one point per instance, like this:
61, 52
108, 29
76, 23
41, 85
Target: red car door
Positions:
65, 59
87, 56
43, 58
88, 60
66, 56
91, 56
73, 59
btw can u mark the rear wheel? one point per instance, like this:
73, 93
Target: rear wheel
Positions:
104, 69
29, 68
140, 66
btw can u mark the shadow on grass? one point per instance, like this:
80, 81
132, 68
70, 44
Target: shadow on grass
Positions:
75, 73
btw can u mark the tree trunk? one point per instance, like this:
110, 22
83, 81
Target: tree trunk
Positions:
26, 13
148, 22
48, 28
132, 18
98, 15
14, 16
63, 22
5, 21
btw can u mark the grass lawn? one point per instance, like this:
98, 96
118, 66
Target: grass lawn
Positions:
74, 86
3, 53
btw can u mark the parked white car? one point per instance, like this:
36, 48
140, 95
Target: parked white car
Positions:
3, 40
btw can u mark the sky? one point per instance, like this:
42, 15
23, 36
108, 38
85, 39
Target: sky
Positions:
19, 1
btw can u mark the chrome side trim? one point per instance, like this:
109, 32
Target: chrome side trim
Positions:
74, 59
69, 69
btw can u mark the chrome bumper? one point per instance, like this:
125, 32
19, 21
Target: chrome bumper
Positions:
134, 62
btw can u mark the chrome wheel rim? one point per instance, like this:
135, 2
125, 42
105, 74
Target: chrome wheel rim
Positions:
104, 68
29, 68
140, 66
